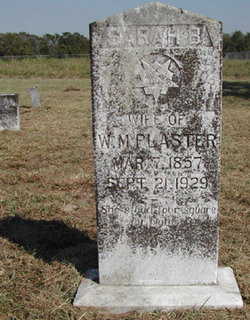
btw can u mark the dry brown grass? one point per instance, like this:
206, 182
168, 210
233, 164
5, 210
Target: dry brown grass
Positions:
47, 203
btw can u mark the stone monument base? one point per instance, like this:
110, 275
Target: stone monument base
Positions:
122, 299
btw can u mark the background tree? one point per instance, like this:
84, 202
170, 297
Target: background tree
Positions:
14, 44
57, 45
238, 39
236, 42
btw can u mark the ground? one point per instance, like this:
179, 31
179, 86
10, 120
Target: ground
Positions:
47, 194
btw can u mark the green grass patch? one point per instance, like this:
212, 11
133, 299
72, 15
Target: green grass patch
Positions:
236, 69
48, 68
72, 68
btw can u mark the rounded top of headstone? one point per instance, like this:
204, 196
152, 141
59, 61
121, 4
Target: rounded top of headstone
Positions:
157, 13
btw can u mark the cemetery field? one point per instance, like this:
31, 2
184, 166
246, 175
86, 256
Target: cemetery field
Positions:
47, 194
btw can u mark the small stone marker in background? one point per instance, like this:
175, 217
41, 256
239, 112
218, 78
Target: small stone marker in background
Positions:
156, 75
35, 97
9, 112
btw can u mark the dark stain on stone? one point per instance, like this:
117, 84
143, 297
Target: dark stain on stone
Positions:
192, 237
109, 234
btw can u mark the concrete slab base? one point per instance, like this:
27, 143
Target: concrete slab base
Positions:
122, 299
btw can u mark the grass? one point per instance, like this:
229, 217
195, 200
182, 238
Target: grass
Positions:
47, 199
46, 68
236, 70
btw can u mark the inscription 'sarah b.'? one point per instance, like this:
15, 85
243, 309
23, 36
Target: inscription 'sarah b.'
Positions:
162, 36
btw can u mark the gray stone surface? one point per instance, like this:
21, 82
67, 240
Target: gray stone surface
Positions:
156, 81
121, 299
9, 112
35, 97
156, 75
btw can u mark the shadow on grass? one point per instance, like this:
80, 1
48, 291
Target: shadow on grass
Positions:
237, 89
51, 240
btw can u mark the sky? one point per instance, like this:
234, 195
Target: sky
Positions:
58, 16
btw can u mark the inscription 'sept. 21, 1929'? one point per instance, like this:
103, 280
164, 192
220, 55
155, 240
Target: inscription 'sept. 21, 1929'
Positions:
156, 109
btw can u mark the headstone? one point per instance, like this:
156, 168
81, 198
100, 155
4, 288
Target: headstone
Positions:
9, 112
156, 77
35, 97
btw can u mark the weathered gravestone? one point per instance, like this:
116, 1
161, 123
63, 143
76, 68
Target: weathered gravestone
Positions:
35, 97
9, 112
156, 77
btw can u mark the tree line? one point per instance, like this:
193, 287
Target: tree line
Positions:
236, 42
22, 43
18, 44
